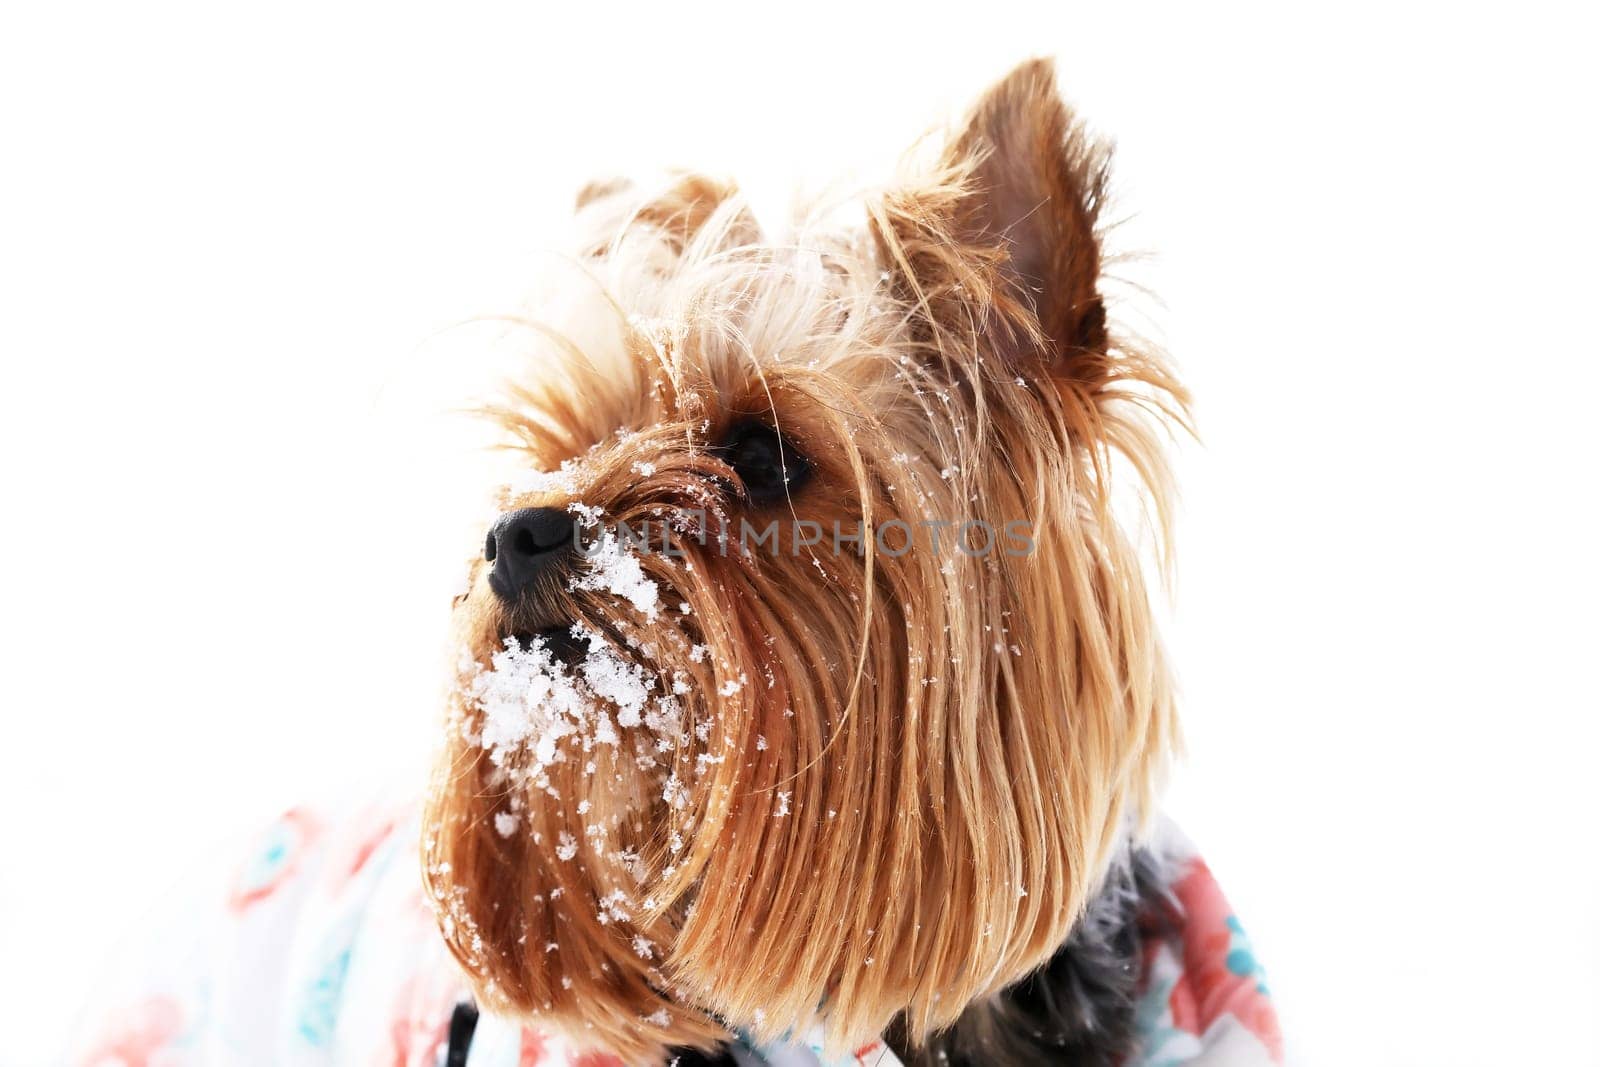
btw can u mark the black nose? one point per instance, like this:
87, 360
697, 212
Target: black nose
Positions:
523, 545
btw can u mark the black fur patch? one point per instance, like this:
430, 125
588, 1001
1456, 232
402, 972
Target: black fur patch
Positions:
1076, 1009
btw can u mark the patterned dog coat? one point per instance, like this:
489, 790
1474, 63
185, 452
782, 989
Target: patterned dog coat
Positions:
321, 949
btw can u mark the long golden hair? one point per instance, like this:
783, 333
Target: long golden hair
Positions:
885, 782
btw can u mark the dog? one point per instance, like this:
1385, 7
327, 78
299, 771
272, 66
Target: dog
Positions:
810, 695
809, 766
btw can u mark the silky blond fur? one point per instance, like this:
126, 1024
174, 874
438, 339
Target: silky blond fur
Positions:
899, 777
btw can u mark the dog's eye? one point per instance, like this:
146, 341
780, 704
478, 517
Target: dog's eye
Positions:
768, 465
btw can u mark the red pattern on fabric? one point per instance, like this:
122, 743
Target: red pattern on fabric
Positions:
136, 1038
368, 845
1185, 1011
596, 1059
1209, 989
417, 1042
531, 1048
420, 1024
869, 1054
305, 830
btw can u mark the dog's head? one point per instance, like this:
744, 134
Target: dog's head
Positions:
813, 676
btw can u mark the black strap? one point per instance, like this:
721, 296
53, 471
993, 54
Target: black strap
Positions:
463, 1021
691, 1057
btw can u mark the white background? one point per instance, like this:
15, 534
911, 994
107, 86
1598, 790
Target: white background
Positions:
234, 242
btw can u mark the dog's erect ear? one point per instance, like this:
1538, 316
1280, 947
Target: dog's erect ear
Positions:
1037, 190
1008, 221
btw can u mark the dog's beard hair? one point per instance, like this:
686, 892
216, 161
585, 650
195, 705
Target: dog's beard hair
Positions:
897, 779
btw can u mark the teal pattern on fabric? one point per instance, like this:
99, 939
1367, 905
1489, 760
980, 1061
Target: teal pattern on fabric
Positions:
319, 1013
1242, 958
267, 865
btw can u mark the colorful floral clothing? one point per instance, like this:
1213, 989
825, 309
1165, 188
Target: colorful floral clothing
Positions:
321, 950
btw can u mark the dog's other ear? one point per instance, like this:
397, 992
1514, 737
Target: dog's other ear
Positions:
1006, 226
683, 209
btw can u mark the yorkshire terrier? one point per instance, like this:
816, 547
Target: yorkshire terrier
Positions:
809, 679
810, 705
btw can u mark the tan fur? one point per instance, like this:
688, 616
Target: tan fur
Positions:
959, 741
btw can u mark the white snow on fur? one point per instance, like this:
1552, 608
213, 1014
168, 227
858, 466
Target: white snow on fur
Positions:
563, 481
613, 568
527, 698
531, 700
